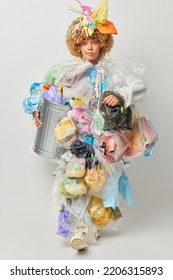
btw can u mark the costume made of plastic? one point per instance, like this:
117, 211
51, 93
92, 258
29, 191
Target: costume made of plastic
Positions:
91, 141
91, 173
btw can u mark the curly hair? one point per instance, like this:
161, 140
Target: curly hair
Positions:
75, 37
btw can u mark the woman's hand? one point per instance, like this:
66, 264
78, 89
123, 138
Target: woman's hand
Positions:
111, 100
36, 115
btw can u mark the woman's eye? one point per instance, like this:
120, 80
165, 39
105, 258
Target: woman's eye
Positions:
84, 43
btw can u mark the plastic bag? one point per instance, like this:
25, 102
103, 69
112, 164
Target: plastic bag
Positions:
100, 215
115, 116
73, 220
65, 133
64, 129
95, 177
67, 142
148, 131
73, 188
76, 167
81, 119
150, 147
64, 225
112, 146
140, 138
68, 223
54, 95
83, 150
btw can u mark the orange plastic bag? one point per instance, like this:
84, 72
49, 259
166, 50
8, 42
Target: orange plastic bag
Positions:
100, 215
95, 177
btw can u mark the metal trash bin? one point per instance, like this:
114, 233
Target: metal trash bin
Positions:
46, 144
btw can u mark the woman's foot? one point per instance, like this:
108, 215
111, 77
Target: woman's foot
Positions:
78, 241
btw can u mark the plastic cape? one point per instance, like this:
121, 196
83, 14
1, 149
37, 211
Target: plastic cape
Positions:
69, 72
123, 77
80, 79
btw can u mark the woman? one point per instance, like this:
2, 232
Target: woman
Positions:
105, 128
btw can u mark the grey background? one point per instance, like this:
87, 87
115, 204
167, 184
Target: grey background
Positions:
32, 40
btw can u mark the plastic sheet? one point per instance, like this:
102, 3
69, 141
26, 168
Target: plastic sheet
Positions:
77, 78
92, 230
69, 72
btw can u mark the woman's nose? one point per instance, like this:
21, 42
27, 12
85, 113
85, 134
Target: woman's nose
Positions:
90, 46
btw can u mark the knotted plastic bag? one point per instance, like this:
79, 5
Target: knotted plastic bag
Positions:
81, 119
65, 132
100, 215
73, 188
76, 167
95, 177
140, 138
115, 116
112, 146
83, 150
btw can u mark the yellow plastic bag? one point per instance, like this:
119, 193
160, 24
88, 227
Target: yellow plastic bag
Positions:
95, 177
100, 215
64, 129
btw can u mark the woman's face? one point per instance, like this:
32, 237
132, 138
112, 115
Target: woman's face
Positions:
90, 50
